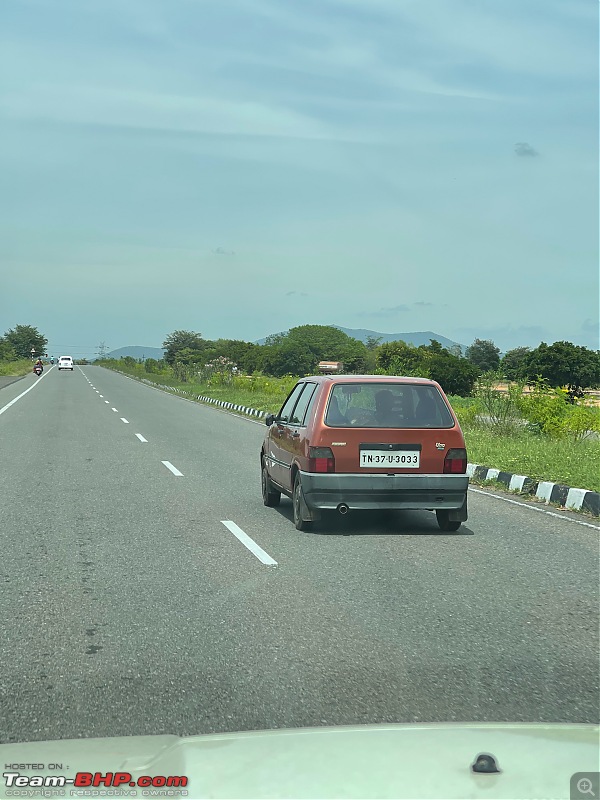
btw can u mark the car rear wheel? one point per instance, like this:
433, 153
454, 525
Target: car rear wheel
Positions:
271, 497
298, 504
444, 521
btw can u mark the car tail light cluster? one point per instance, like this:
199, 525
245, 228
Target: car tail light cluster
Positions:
455, 461
320, 459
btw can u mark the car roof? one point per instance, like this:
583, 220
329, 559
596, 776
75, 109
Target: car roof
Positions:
368, 379
70, 358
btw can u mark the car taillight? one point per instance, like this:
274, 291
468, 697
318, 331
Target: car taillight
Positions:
455, 461
320, 459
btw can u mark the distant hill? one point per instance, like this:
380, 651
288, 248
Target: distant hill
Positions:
416, 338
138, 352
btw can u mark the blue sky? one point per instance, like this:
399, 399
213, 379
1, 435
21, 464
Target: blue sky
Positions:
237, 167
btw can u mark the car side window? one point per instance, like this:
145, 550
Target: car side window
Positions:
299, 414
287, 408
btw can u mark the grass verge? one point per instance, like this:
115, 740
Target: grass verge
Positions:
261, 393
539, 457
16, 368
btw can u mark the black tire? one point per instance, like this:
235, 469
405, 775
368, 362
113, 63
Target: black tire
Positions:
297, 503
270, 496
444, 521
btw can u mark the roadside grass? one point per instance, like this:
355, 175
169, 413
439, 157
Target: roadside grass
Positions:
573, 463
259, 392
258, 400
539, 457
458, 402
16, 368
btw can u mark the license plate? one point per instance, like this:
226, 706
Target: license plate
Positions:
397, 459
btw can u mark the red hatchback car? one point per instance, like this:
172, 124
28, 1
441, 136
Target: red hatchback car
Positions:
343, 442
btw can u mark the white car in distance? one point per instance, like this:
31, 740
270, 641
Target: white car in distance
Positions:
65, 362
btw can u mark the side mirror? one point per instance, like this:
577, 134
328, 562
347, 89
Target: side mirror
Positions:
270, 419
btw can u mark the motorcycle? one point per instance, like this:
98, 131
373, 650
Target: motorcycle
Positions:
38, 369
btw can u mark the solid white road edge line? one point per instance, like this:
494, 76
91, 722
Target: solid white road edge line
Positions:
173, 469
126, 421
18, 397
534, 508
249, 543
141, 438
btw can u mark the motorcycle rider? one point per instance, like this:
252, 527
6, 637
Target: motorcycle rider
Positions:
39, 366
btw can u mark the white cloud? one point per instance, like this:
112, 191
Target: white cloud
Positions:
103, 106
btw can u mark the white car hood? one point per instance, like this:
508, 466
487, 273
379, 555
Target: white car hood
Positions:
374, 761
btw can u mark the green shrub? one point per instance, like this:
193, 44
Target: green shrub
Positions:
501, 410
546, 409
581, 419
152, 365
468, 415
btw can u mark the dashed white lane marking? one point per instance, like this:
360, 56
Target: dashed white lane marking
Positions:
18, 397
471, 489
173, 469
141, 438
97, 391
101, 395
114, 409
535, 508
254, 548
126, 421
106, 401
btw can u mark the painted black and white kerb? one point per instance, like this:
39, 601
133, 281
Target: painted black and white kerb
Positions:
567, 496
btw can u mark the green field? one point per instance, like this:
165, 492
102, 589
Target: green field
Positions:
540, 457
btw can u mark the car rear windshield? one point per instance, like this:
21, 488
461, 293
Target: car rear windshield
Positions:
387, 405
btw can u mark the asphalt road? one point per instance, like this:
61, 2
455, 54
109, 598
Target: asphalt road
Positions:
6, 380
128, 607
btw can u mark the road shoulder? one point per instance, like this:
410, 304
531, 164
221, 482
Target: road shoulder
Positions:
6, 380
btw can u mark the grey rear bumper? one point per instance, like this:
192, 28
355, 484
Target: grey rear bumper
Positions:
325, 491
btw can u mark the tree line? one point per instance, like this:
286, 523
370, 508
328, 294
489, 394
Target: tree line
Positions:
299, 350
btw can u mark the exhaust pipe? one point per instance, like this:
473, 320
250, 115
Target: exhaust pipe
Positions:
343, 508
